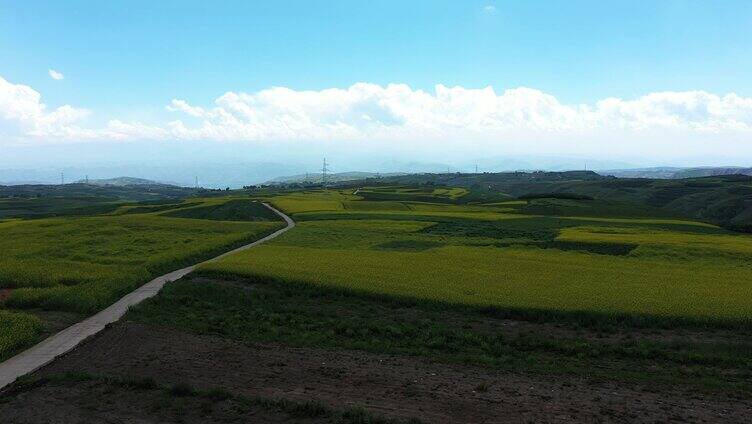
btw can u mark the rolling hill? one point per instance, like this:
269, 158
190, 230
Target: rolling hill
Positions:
331, 178
724, 200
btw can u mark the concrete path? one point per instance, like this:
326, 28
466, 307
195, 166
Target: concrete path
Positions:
64, 341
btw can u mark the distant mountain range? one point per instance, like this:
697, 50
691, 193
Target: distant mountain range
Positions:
209, 174
332, 178
675, 173
235, 175
664, 172
123, 181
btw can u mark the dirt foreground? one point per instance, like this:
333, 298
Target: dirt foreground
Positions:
389, 386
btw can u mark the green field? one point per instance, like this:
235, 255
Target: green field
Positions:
587, 293
416, 270
83, 264
497, 256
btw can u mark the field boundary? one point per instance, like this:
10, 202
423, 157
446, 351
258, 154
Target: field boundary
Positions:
66, 340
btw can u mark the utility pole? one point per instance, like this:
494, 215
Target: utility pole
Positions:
324, 170
476, 168
62, 178
87, 179
196, 182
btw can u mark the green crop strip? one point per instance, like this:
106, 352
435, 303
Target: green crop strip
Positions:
84, 264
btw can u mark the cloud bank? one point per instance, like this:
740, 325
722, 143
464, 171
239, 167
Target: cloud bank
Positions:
367, 112
372, 111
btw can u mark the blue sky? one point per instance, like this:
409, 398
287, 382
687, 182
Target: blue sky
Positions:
128, 61
144, 53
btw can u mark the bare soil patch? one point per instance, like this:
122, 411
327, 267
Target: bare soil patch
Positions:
392, 386
55, 321
100, 402
4, 294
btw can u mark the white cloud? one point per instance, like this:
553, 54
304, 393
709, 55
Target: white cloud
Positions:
22, 114
182, 106
57, 76
489, 9
398, 115
366, 111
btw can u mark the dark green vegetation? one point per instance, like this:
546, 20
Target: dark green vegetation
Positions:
302, 314
82, 264
725, 200
232, 210
104, 396
39, 201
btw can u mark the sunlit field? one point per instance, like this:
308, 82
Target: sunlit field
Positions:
493, 256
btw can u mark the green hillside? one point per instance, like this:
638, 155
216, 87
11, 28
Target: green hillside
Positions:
725, 200
77, 199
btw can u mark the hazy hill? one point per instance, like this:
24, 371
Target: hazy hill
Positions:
122, 182
709, 172
332, 178
674, 172
38, 200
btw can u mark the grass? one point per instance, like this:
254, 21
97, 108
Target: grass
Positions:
465, 265
301, 314
740, 245
19, 329
589, 260
313, 201
231, 210
95, 258
84, 264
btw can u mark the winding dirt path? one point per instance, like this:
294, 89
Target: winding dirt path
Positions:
64, 341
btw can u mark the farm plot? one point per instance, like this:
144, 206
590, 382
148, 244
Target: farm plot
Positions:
502, 268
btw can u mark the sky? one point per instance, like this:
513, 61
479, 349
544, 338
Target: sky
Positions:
91, 83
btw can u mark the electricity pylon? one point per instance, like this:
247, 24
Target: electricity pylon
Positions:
324, 170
